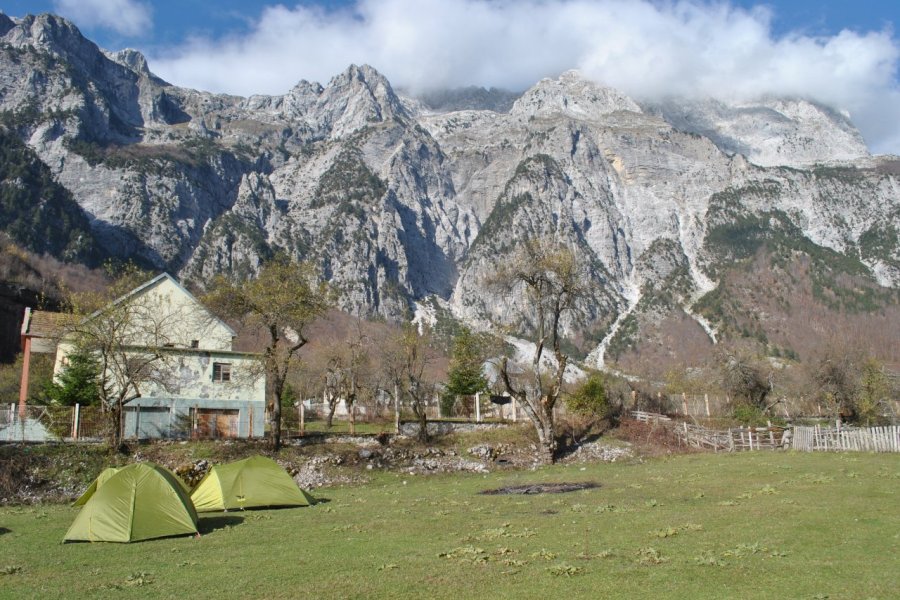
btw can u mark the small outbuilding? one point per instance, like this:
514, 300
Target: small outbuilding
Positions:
250, 483
139, 502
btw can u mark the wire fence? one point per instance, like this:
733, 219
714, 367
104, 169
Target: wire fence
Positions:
33, 423
381, 415
91, 423
50, 423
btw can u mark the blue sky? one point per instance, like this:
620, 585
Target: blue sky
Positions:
174, 21
844, 54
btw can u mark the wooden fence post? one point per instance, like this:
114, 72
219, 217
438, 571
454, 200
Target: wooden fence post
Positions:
706, 400
302, 419
75, 416
397, 408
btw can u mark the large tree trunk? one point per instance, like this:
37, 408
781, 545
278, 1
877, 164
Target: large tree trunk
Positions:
422, 418
276, 426
541, 417
547, 442
423, 427
116, 425
351, 411
275, 385
332, 406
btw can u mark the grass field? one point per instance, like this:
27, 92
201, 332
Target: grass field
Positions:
751, 525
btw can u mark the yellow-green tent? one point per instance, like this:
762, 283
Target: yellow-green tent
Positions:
253, 482
101, 479
109, 472
138, 502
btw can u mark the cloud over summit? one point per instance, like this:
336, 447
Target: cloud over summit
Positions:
127, 17
645, 49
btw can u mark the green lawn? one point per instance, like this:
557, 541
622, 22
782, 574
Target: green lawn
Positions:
752, 525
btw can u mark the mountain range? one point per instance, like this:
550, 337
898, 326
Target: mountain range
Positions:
696, 222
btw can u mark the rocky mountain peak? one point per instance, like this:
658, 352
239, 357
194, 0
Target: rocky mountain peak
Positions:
370, 89
5, 24
768, 131
574, 96
351, 101
131, 58
52, 34
354, 99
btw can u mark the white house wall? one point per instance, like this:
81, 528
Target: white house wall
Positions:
189, 374
182, 318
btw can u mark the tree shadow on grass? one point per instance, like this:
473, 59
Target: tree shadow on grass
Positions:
209, 524
5, 530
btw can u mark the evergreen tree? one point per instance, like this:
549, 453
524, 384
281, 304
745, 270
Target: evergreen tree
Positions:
78, 382
465, 377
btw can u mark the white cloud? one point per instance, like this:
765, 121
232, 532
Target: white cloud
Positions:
127, 17
643, 48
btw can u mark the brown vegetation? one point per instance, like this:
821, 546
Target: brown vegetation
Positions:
650, 439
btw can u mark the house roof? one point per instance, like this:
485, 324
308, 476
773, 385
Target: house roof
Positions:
152, 283
42, 323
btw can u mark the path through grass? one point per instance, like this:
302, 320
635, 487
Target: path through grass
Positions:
753, 525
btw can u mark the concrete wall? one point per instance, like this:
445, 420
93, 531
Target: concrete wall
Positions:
152, 418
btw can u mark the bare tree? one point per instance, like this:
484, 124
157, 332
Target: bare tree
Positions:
835, 377
852, 385
548, 274
333, 387
746, 379
407, 360
280, 303
347, 372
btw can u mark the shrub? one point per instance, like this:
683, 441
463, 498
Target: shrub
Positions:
590, 399
748, 414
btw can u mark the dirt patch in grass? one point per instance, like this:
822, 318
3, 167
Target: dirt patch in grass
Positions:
542, 488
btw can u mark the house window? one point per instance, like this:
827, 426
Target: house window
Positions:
195, 343
221, 372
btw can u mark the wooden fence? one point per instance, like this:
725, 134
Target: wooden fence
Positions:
864, 439
735, 439
807, 439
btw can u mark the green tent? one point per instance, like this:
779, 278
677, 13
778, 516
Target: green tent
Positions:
109, 472
101, 479
249, 483
138, 502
